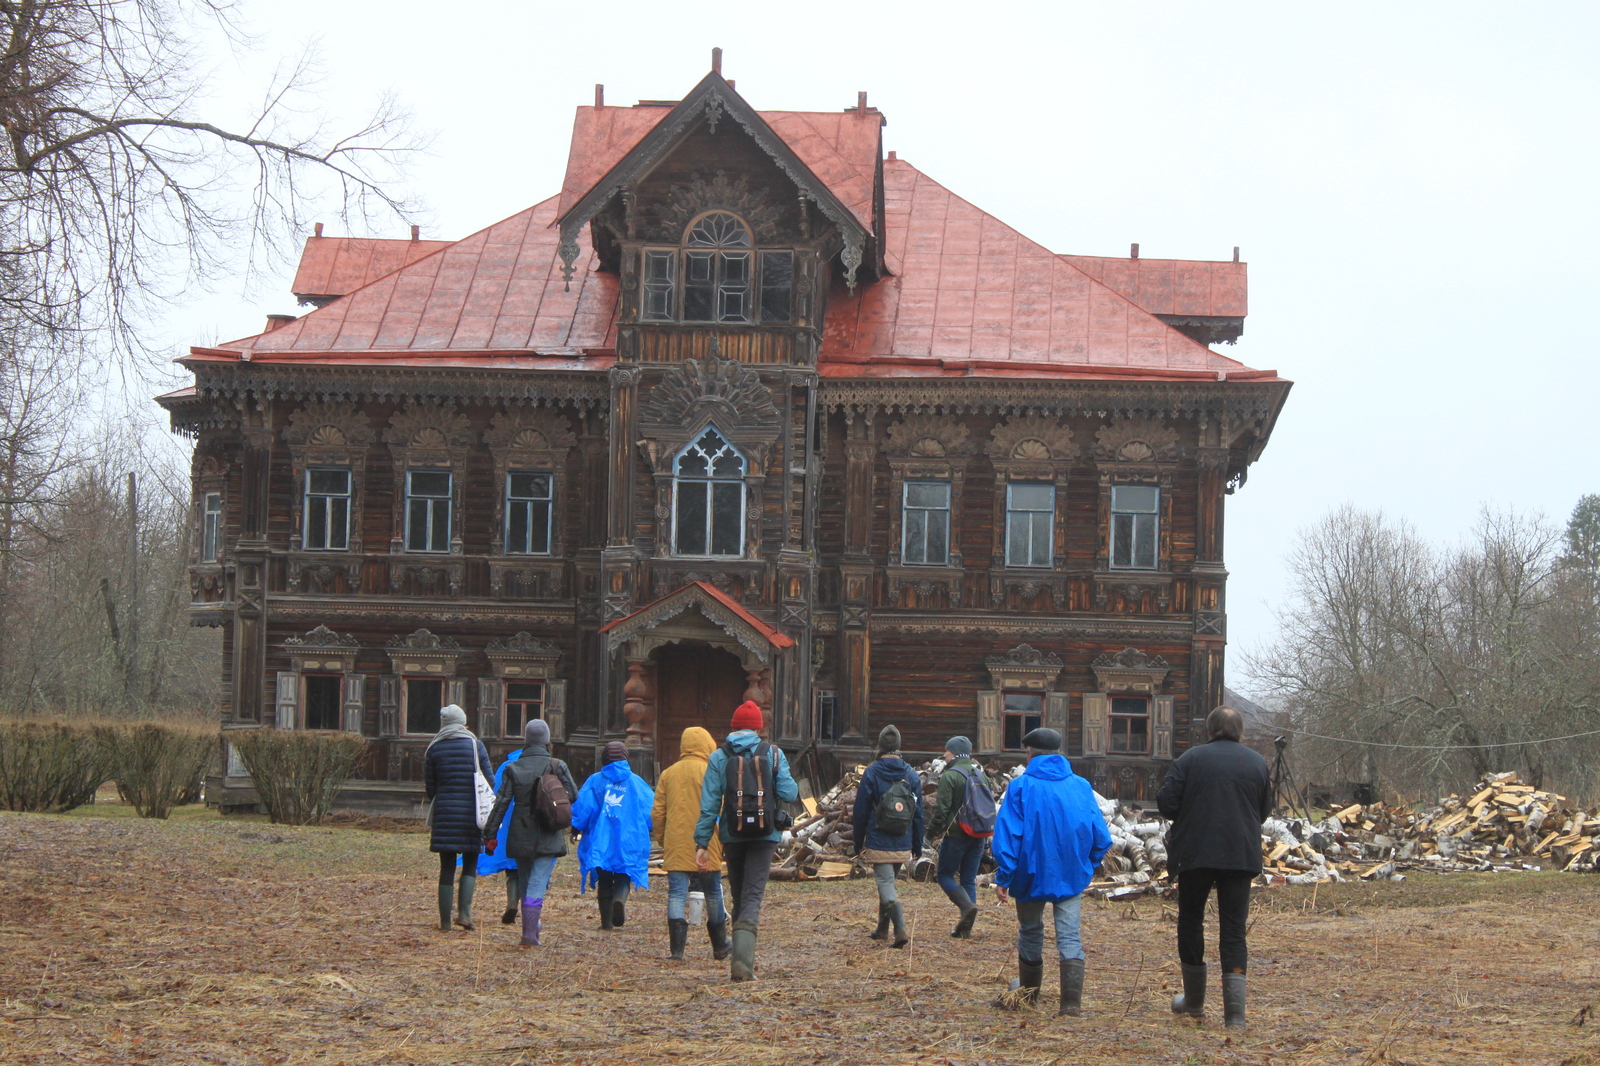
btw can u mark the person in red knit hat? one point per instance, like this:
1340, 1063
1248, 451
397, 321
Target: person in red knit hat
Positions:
749, 823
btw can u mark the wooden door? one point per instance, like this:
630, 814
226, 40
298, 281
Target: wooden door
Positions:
696, 684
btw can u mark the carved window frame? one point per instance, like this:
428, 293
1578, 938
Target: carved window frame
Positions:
322, 652
534, 442
742, 480
1031, 449
210, 478
422, 438
1136, 451
1128, 673
676, 258
926, 448
1022, 670
332, 436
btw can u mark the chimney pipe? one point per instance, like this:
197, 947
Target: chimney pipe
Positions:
316, 231
1236, 253
716, 61
730, 83
416, 232
861, 104
599, 95
1133, 251
893, 155
277, 322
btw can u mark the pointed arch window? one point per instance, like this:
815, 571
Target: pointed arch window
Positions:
708, 498
717, 275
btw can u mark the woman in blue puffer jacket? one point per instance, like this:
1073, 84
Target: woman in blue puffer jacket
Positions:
612, 814
447, 775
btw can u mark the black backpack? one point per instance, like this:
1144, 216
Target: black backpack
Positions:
749, 797
896, 810
552, 803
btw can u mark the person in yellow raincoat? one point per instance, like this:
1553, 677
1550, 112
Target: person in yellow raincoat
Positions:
677, 808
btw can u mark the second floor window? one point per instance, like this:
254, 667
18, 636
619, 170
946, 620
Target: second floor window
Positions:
528, 514
1030, 523
1130, 725
709, 498
211, 527
427, 511
717, 275
1135, 515
327, 510
926, 540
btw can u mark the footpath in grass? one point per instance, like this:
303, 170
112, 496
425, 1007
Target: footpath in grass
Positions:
203, 940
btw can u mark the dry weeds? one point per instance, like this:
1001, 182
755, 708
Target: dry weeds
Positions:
208, 941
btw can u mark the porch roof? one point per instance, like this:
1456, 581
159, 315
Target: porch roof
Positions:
718, 607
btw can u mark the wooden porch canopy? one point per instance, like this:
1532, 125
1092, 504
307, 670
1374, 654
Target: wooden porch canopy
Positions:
718, 608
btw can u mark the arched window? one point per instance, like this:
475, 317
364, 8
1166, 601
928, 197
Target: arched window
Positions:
708, 498
713, 276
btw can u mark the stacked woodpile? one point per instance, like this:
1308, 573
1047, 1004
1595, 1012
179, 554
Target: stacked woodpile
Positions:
1502, 824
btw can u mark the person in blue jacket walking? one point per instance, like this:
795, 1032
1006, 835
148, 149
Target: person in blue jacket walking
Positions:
887, 838
1048, 838
612, 816
749, 858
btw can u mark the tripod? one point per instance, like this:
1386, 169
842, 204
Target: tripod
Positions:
1282, 774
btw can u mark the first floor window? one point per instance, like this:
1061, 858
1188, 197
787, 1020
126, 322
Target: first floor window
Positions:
1135, 511
927, 523
709, 498
211, 527
524, 704
1024, 712
327, 510
528, 498
424, 700
827, 715
1030, 523
1130, 725
427, 511
322, 700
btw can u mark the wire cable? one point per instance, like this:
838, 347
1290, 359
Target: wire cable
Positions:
1443, 747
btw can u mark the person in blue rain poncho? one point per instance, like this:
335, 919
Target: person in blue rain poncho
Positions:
497, 861
612, 816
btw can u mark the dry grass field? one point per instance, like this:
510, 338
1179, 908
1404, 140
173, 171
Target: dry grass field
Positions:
200, 940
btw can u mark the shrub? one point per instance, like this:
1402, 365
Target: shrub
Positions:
297, 773
160, 765
51, 766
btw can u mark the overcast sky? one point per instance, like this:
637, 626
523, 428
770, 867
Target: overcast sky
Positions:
1413, 186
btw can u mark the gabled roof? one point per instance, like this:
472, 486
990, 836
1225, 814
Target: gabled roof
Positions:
719, 608
333, 266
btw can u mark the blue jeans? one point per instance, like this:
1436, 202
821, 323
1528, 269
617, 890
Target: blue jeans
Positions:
1030, 935
533, 877
959, 855
679, 882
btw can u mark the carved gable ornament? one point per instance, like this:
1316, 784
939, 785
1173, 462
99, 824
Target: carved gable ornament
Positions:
1024, 667
522, 655
1136, 440
918, 436
1130, 670
429, 428
1032, 438
329, 425
690, 201
710, 389
423, 653
531, 432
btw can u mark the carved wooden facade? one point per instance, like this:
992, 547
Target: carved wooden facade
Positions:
677, 481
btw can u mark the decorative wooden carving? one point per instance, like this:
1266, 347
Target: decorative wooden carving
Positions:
935, 447
686, 202
428, 436
1130, 670
322, 637
710, 389
1024, 667
328, 434
1136, 440
635, 691
1032, 439
919, 436
323, 649
423, 640
533, 440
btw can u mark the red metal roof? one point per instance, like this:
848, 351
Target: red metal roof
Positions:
773, 637
840, 148
333, 266
1173, 286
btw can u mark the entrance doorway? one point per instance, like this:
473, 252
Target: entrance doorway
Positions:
696, 684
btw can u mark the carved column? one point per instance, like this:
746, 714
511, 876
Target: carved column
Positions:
619, 528
637, 698
758, 690
855, 650
250, 568
859, 451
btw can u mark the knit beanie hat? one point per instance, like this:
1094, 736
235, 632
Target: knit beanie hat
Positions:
958, 746
537, 732
747, 716
1042, 740
615, 751
888, 740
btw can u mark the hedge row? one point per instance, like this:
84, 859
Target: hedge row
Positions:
296, 773
58, 765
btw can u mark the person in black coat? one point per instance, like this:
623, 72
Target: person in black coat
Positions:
1217, 796
534, 845
447, 775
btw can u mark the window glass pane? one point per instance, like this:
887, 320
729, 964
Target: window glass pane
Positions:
1122, 540
927, 494
938, 536
1017, 540
329, 481
440, 539
1013, 732
1135, 498
699, 293
322, 701
1024, 701
1032, 497
726, 517
429, 483
338, 522
693, 464
718, 230
524, 690
700, 267
417, 526
727, 464
530, 486
736, 268
424, 698
777, 286
1043, 526
539, 534
916, 539
1144, 541
1127, 705
691, 525
317, 522
731, 305
658, 266
517, 520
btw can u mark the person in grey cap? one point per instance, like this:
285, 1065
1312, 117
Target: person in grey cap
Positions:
961, 848
887, 823
1048, 838
530, 843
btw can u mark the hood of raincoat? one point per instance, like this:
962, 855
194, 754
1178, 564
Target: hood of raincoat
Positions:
1049, 835
744, 741
881, 775
612, 812
677, 806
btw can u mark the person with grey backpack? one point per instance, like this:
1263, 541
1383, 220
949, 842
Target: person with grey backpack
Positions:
963, 815
887, 823
538, 788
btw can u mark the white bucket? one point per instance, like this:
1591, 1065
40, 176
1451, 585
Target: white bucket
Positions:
697, 908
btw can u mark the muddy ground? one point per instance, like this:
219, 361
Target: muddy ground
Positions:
207, 941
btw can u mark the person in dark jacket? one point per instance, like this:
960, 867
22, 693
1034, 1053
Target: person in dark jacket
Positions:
749, 859
1048, 838
885, 850
1217, 795
448, 767
959, 851
533, 845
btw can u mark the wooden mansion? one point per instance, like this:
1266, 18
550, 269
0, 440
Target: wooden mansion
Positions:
747, 410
